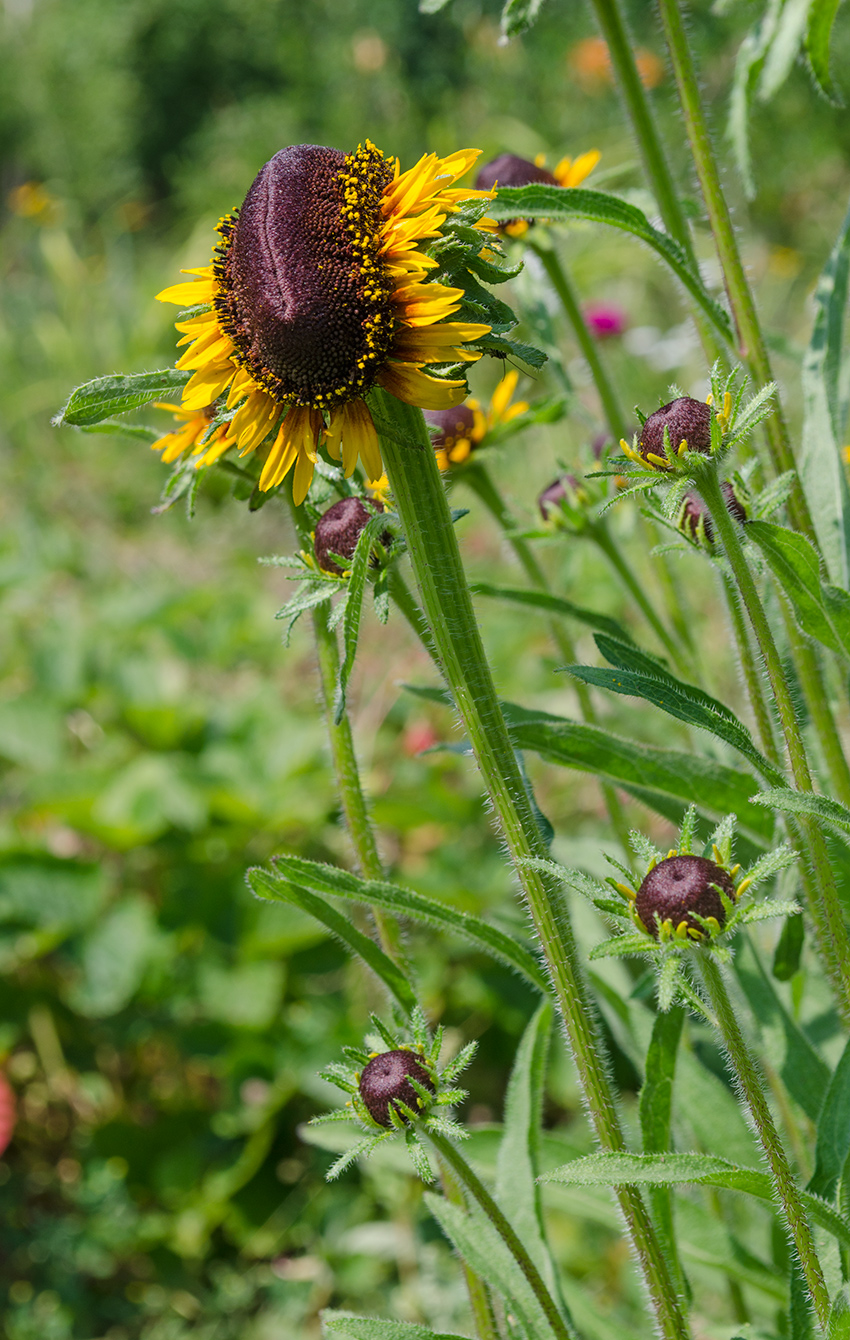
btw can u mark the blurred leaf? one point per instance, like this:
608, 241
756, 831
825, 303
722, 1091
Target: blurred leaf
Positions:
100, 399
147, 797
520, 15
800, 1312
517, 1167
31, 732
328, 879
543, 600
484, 1251
369, 1328
839, 1317
833, 1128
115, 955
701, 1169
748, 67
554, 203
821, 610
789, 947
822, 470
818, 37
246, 996
49, 892
266, 885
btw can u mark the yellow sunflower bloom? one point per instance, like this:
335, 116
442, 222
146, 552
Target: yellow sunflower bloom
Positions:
317, 293
191, 436
462, 429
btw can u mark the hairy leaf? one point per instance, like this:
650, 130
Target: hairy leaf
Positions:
821, 610
818, 35
833, 1125
100, 399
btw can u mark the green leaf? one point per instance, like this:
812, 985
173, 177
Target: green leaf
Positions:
700, 1169
540, 201
354, 607
800, 1307
711, 786
839, 1317
803, 1072
748, 67
789, 947
484, 1251
683, 701
138, 431
543, 600
100, 399
821, 610
329, 880
829, 812
516, 1188
822, 471
308, 597
656, 1095
519, 15
833, 1123
370, 1328
818, 35
265, 885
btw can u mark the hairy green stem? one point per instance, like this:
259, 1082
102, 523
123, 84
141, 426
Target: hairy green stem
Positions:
479, 1296
825, 907
478, 479
421, 501
347, 774
751, 343
786, 1188
405, 603
451, 1155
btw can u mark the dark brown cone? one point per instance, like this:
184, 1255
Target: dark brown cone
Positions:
450, 424
293, 297
679, 886
511, 170
558, 491
684, 419
339, 529
693, 508
386, 1078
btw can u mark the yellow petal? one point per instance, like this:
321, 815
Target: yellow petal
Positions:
415, 387
503, 392
187, 295
206, 385
572, 172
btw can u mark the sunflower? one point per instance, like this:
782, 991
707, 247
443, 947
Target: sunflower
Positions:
318, 292
194, 435
462, 429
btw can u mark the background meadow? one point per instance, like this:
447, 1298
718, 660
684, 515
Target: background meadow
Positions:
161, 1029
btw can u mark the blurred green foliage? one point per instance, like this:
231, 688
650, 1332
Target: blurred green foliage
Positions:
161, 1029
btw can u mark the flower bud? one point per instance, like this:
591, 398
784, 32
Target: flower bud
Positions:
680, 886
566, 488
339, 529
385, 1079
451, 424
693, 508
511, 170
686, 420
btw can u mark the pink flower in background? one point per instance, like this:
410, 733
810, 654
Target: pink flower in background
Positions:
8, 1112
605, 319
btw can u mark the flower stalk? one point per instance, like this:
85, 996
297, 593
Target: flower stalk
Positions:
751, 1087
421, 502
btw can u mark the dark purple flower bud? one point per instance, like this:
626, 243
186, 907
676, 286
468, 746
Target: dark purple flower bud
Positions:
510, 170
679, 886
599, 444
693, 508
734, 506
685, 419
339, 529
386, 1078
563, 489
451, 424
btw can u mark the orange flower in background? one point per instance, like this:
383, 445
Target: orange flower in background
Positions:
590, 62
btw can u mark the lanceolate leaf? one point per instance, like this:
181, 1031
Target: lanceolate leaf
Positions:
828, 811
822, 470
748, 67
833, 1125
701, 1169
371, 1328
839, 1317
266, 886
821, 610
818, 34
550, 604
100, 399
684, 702
330, 881
540, 201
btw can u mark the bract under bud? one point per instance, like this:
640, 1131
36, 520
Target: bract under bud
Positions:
339, 529
680, 886
686, 420
386, 1078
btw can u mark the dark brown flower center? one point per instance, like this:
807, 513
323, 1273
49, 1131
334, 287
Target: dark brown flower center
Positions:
304, 295
339, 529
679, 886
451, 424
386, 1078
685, 419
511, 170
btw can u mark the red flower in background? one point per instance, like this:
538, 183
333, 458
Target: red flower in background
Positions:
8, 1112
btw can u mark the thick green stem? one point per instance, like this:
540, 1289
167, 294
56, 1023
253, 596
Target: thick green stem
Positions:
479, 1297
752, 347
421, 502
786, 1188
347, 775
403, 598
478, 479
451, 1155
825, 907
604, 539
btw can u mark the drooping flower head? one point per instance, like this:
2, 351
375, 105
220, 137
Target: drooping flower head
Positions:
459, 431
317, 293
